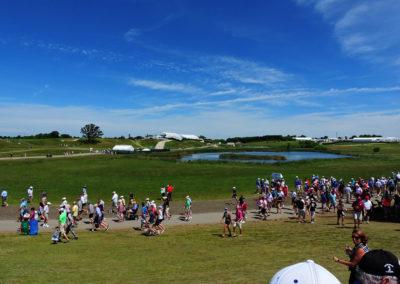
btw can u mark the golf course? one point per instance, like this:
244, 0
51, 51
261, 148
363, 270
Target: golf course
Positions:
183, 254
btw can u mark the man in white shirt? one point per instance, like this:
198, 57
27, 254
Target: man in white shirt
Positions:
368, 208
114, 201
30, 194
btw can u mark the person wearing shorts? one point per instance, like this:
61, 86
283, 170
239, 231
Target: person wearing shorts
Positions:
301, 210
228, 220
238, 221
62, 220
359, 211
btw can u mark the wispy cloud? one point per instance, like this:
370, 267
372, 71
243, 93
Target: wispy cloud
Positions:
368, 29
244, 71
41, 90
133, 34
156, 85
27, 119
92, 53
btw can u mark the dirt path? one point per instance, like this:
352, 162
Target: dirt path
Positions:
204, 212
53, 156
161, 144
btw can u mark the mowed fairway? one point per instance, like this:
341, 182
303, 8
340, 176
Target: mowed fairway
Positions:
185, 254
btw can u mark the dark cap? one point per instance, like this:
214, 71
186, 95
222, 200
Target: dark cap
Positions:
380, 263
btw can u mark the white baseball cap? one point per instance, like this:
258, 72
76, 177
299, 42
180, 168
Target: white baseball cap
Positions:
306, 272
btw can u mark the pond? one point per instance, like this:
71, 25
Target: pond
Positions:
290, 156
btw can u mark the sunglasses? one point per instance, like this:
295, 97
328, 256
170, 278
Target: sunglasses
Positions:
356, 237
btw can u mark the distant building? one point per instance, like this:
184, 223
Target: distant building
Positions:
375, 139
303, 139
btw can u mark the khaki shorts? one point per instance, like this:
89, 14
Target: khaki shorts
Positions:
62, 228
238, 224
357, 216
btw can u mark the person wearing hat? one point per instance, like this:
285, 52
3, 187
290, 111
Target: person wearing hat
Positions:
121, 209
4, 196
188, 205
228, 220
379, 267
158, 227
46, 210
114, 200
307, 272
30, 194
25, 224
358, 211
360, 241
238, 220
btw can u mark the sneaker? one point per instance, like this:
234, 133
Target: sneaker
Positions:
66, 242
75, 238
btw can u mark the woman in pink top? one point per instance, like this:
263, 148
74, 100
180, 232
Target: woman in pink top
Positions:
238, 221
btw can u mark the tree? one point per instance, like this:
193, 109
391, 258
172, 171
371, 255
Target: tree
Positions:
54, 134
91, 132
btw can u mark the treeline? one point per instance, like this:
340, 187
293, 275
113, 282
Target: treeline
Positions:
53, 134
260, 138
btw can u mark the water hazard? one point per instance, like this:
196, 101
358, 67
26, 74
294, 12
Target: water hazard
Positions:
290, 156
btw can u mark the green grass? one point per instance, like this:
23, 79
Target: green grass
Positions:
185, 254
57, 146
144, 174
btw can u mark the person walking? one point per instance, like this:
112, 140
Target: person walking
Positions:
238, 220
358, 211
360, 241
4, 196
341, 212
62, 220
30, 194
228, 220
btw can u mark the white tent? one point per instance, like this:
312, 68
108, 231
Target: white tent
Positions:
190, 137
123, 149
170, 135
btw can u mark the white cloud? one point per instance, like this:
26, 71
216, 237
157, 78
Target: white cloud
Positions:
156, 85
92, 53
368, 29
243, 71
28, 119
132, 34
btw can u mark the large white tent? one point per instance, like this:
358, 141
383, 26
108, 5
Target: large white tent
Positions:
123, 149
179, 137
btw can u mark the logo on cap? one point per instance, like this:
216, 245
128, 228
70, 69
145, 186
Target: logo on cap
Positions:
389, 267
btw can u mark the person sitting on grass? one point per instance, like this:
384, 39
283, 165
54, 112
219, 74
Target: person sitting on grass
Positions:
228, 220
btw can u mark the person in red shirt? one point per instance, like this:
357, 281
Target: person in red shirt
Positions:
170, 189
359, 211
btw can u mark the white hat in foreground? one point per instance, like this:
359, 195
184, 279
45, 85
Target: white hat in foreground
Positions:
306, 272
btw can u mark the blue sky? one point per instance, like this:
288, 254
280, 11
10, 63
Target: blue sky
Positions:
215, 68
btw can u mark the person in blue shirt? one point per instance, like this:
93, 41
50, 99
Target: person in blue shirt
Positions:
145, 214
4, 196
